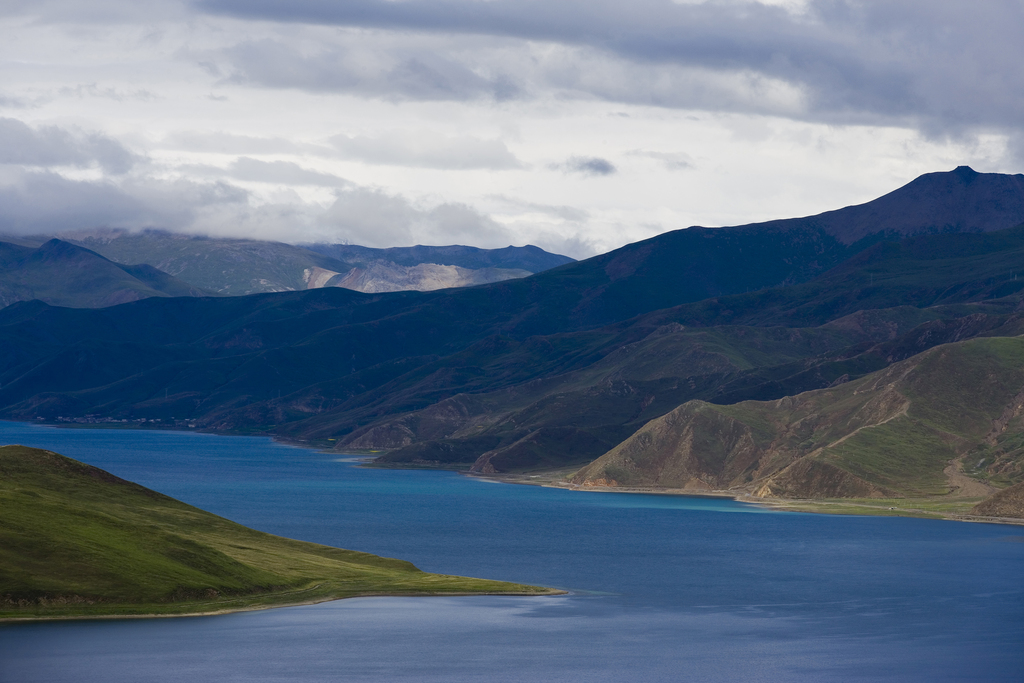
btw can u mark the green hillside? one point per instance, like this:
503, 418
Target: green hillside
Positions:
946, 422
78, 541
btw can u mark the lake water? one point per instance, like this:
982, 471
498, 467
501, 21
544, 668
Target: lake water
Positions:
664, 588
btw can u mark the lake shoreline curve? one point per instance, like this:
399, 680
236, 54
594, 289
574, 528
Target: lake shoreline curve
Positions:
926, 508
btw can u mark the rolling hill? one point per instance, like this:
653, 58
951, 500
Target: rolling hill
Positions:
78, 541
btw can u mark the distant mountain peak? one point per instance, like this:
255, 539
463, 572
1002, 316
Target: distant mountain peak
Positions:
965, 172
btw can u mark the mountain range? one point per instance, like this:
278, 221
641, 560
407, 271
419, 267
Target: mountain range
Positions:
570, 366
237, 267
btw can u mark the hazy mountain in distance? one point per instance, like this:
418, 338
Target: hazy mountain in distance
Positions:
63, 274
529, 258
236, 267
230, 267
690, 264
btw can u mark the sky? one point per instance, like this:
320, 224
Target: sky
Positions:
577, 126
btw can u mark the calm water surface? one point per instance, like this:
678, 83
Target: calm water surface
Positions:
664, 588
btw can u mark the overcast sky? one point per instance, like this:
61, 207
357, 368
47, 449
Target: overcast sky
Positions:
576, 125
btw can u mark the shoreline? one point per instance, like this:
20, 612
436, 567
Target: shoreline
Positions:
547, 592
889, 507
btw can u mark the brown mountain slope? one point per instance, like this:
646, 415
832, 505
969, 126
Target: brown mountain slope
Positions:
1007, 503
890, 433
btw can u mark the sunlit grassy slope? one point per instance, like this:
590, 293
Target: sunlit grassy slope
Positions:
78, 541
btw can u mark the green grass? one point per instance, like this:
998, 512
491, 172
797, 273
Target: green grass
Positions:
903, 455
928, 508
78, 541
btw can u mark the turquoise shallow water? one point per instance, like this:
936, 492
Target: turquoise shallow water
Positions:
664, 588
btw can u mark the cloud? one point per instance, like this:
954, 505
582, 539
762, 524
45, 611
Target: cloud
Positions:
590, 166
941, 66
400, 71
426, 149
571, 214
673, 161
45, 202
103, 12
284, 172
232, 143
377, 219
49, 146
93, 90
13, 102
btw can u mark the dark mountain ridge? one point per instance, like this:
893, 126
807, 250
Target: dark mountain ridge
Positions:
453, 370
961, 200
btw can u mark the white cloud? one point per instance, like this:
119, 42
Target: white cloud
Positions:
232, 143
427, 149
378, 219
48, 146
396, 122
45, 202
283, 172
673, 161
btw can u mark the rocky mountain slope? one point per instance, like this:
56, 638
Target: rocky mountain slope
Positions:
909, 430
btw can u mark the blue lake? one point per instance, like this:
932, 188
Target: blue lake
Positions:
664, 588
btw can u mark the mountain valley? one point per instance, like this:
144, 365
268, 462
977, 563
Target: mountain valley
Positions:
598, 364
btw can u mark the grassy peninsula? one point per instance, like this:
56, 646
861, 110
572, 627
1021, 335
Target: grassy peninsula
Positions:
76, 541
